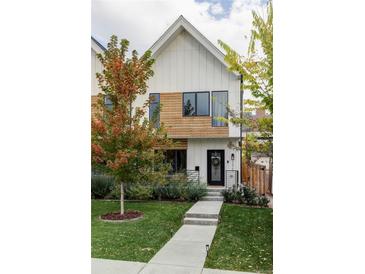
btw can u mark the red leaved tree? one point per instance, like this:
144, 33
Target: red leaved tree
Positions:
123, 141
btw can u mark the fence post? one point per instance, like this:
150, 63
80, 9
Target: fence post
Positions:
263, 180
252, 175
258, 179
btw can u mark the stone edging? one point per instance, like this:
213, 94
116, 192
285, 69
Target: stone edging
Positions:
121, 221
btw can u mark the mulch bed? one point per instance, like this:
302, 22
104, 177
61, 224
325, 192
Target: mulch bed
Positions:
128, 215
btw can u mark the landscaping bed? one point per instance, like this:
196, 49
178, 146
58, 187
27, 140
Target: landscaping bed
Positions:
243, 240
138, 240
128, 215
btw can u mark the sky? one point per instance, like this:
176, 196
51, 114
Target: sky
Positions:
142, 22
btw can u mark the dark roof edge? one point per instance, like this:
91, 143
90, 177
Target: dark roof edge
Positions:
97, 42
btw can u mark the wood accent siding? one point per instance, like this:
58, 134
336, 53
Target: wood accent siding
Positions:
177, 144
94, 99
178, 126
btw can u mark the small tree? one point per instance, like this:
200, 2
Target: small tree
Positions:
123, 141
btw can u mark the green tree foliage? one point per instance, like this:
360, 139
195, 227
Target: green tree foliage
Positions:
257, 66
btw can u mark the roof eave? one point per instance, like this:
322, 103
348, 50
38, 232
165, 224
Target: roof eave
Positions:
97, 46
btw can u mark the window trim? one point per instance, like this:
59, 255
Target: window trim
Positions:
226, 91
149, 108
196, 101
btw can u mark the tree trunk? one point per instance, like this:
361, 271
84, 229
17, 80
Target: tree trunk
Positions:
121, 199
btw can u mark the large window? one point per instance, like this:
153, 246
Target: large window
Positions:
196, 104
177, 158
219, 108
154, 112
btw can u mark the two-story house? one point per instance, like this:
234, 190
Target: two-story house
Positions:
193, 86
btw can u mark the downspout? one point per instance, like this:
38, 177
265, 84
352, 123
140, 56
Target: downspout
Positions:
241, 116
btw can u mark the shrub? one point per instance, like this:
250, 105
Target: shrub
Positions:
244, 195
228, 195
101, 186
263, 201
178, 178
194, 191
233, 195
138, 192
250, 196
171, 191
115, 193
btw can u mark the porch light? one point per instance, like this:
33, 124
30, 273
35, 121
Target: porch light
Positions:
232, 156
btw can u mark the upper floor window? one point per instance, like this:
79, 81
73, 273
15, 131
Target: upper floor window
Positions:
219, 108
108, 103
196, 103
154, 112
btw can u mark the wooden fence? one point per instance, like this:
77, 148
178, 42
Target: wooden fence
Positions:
258, 177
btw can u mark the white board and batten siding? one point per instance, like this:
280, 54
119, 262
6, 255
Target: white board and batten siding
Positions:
186, 65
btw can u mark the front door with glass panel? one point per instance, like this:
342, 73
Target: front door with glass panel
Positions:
215, 167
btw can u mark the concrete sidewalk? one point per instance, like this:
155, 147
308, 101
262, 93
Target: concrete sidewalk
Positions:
104, 266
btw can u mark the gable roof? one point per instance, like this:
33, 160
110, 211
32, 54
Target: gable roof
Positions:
99, 48
182, 24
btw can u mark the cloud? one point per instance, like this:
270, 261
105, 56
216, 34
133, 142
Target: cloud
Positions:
142, 22
216, 9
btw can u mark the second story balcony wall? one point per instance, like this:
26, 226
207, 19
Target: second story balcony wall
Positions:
179, 126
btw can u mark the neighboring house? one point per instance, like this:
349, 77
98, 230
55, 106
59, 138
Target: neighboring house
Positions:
96, 66
192, 84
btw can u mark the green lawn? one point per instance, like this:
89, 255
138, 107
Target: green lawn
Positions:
138, 240
243, 240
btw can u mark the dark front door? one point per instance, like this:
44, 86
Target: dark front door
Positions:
216, 167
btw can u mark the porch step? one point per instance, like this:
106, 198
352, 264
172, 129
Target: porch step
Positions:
212, 198
201, 215
214, 193
215, 189
199, 221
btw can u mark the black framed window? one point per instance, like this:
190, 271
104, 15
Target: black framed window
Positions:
108, 103
177, 159
219, 108
154, 111
196, 103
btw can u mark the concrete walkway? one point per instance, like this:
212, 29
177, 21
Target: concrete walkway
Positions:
186, 251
